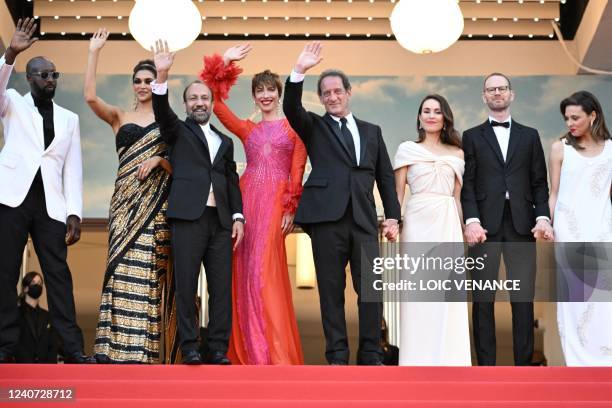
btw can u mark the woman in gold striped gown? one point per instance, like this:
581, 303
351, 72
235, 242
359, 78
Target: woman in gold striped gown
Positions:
137, 283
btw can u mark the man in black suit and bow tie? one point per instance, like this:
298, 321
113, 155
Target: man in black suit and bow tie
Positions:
505, 201
337, 207
204, 211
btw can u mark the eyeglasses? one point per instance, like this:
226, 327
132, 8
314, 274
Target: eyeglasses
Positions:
45, 74
138, 81
501, 89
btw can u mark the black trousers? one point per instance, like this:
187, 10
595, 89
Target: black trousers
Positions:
519, 253
334, 244
194, 243
48, 236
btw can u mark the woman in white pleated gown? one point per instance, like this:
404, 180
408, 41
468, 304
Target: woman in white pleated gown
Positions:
581, 184
432, 333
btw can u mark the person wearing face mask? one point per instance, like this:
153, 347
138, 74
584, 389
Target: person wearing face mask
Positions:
580, 188
433, 333
264, 329
41, 193
130, 321
37, 339
204, 211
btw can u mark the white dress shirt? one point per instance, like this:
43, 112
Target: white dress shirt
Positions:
213, 140
352, 126
503, 139
503, 136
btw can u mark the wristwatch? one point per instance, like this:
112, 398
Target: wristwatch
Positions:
240, 219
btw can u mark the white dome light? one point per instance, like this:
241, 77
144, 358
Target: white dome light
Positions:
178, 21
426, 26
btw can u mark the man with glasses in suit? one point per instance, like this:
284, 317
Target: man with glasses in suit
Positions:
505, 202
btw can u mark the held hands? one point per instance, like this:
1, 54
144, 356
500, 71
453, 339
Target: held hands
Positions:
98, 40
287, 223
310, 56
237, 233
22, 39
474, 233
73, 230
543, 230
390, 229
236, 53
163, 59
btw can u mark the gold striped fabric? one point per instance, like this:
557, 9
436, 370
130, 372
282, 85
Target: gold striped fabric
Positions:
136, 282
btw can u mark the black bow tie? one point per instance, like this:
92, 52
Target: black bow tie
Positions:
502, 124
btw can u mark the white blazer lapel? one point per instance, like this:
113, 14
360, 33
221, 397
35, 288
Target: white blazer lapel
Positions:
37, 121
59, 125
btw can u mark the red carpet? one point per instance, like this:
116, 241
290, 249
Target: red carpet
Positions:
314, 386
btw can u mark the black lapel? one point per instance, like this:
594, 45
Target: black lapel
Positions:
515, 135
335, 127
197, 130
489, 135
225, 143
363, 139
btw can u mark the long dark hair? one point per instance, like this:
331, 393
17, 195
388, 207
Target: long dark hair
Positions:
25, 282
449, 134
589, 104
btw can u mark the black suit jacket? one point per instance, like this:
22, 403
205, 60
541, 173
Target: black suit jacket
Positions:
38, 342
334, 178
487, 177
192, 170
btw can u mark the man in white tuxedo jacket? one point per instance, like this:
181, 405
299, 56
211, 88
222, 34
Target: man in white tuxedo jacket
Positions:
41, 194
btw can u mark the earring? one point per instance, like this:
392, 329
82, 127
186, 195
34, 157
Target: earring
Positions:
592, 121
135, 102
420, 125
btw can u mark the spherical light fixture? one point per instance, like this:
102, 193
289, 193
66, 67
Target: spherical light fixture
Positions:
426, 26
178, 21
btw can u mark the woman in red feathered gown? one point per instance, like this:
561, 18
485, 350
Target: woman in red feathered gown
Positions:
264, 329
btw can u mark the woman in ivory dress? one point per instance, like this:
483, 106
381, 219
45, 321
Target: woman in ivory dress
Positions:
432, 333
581, 184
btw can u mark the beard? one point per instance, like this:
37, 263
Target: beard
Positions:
497, 106
200, 117
46, 92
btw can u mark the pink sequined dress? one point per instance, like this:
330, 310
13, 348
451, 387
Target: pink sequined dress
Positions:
264, 329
